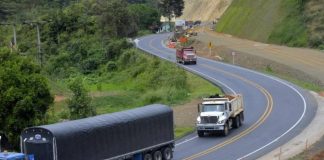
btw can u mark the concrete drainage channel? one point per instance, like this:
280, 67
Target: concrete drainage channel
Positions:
305, 139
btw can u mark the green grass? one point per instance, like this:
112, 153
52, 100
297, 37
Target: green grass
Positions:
182, 131
274, 21
145, 81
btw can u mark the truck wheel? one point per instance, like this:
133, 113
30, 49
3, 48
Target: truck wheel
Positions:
148, 156
226, 130
236, 122
167, 153
200, 133
240, 120
157, 155
242, 116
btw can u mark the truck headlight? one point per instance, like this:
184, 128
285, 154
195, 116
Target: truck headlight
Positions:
221, 122
198, 120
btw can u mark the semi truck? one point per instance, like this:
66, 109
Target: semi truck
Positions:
145, 133
186, 55
220, 114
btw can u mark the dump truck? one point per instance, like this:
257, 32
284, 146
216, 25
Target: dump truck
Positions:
220, 114
186, 55
145, 133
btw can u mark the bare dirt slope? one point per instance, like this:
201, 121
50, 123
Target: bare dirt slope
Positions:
301, 63
204, 10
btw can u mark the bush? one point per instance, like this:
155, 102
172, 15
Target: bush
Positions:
89, 65
111, 66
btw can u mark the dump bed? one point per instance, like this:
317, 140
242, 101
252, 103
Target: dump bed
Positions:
235, 102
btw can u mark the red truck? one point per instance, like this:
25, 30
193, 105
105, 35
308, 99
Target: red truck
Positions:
186, 55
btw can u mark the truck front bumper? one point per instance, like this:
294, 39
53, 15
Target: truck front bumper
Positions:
209, 127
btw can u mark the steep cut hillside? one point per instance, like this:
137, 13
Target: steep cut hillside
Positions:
314, 12
275, 21
204, 10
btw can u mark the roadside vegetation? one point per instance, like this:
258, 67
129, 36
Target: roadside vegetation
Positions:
295, 23
84, 60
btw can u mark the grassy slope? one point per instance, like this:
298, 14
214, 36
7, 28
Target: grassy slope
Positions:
119, 91
274, 21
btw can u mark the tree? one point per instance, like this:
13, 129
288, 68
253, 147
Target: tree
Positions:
24, 95
114, 18
147, 16
80, 103
171, 7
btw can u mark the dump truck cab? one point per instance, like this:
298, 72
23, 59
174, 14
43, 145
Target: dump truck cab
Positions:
219, 114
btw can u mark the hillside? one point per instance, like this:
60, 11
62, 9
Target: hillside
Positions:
296, 23
204, 10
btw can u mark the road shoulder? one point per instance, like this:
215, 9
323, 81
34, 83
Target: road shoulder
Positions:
305, 139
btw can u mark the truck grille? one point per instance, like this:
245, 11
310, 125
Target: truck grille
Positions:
209, 119
191, 56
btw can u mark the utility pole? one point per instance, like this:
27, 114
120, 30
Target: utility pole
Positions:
39, 45
39, 54
14, 35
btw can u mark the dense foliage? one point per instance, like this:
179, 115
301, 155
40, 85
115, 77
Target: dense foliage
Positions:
24, 96
80, 41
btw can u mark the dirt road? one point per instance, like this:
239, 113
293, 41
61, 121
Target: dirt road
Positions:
310, 62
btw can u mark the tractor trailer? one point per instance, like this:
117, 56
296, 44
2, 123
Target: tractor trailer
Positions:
220, 114
144, 133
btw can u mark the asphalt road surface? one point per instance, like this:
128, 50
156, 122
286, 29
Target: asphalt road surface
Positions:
275, 110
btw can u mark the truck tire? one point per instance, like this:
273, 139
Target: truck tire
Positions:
200, 133
167, 153
242, 116
157, 155
226, 130
236, 122
147, 156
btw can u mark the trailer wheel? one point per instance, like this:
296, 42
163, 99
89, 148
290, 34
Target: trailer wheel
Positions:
157, 155
226, 130
167, 153
148, 156
236, 122
200, 133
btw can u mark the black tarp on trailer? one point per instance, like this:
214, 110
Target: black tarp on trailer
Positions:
101, 137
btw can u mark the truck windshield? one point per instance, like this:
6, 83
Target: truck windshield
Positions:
213, 107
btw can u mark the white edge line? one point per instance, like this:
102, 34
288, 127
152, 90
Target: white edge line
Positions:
275, 79
282, 82
187, 140
217, 81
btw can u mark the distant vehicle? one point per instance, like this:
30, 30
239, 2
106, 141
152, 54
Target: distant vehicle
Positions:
197, 22
219, 114
186, 55
180, 22
144, 133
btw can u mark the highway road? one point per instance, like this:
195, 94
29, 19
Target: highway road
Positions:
275, 110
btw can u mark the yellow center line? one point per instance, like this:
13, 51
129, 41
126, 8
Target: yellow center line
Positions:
247, 131
264, 116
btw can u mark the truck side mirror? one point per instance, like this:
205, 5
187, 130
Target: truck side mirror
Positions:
199, 107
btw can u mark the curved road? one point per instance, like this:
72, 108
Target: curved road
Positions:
275, 110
